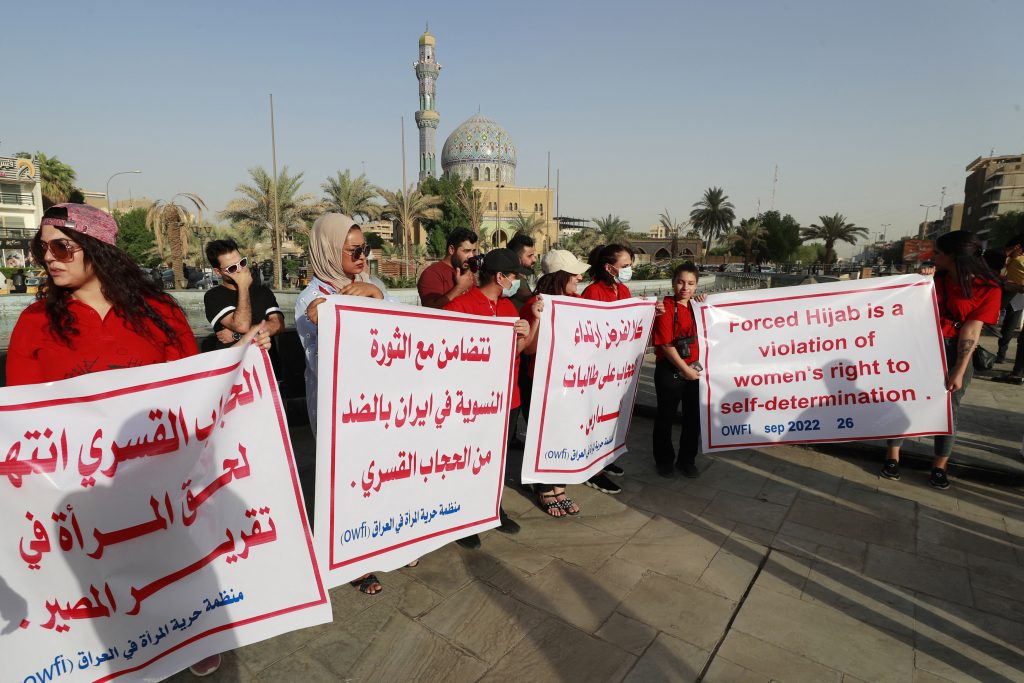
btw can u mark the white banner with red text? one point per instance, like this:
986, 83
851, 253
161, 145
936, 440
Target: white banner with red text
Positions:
859, 359
589, 357
412, 422
153, 517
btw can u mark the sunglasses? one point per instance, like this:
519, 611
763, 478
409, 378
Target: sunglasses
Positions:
235, 267
63, 249
358, 251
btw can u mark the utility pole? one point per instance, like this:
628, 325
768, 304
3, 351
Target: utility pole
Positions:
276, 238
406, 237
775, 182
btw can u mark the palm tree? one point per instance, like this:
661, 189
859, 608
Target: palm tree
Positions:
409, 208
713, 215
255, 209
672, 229
56, 179
472, 202
749, 239
833, 229
528, 225
351, 196
612, 229
171, 224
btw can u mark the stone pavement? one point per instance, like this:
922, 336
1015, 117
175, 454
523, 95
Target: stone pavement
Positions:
781, 564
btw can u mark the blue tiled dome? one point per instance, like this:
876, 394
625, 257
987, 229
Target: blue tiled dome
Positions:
479, 142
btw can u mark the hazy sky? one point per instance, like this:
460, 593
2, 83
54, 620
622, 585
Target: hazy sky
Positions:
868, 108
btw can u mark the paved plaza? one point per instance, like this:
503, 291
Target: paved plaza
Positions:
778, 564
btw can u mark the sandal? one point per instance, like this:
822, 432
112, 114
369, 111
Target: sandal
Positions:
364, 584
552, 506
414, 563
568, 505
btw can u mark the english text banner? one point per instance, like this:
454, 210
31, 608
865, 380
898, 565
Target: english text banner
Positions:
153, 518
589, 356
412, 425
829, 362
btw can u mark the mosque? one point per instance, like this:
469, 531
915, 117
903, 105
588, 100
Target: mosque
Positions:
479, 149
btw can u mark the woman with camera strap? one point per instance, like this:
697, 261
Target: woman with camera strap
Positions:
676, 376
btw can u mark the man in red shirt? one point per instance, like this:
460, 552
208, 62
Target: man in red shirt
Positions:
499, 280
452, 276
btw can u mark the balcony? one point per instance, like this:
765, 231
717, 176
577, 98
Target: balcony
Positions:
17, 233
16, 198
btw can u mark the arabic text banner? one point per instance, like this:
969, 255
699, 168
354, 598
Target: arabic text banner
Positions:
589, 357
412, 425
153, 518
829, 362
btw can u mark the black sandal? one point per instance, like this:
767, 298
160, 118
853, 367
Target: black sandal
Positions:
551, 504
364, 584
567, 504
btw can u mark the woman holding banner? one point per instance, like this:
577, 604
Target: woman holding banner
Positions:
968, 295
611, 265
97, 311
676, 376
561, 273
337, 255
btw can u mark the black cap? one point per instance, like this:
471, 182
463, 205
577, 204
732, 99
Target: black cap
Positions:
504, 261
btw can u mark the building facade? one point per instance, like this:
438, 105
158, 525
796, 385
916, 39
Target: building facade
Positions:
994, 187
427, 118
21, 206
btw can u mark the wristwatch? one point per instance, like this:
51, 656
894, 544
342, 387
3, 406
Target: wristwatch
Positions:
235, 336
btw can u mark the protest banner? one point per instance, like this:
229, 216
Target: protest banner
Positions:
589, 357
840, 361
153, 517
412, 422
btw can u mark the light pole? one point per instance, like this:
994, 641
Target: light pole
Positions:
885, 229
108, 186
497, 217
927, 208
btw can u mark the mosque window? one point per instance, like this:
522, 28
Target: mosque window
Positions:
487, 173
476, 173
516, 207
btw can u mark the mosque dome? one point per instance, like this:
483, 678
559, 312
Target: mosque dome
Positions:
480, 149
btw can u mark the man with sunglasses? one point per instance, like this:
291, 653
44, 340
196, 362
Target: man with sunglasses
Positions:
237, 304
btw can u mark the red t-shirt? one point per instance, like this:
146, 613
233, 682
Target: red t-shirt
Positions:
954, 309
35, 355
475, 302
598, 291
677, 321
526, 313
436, 280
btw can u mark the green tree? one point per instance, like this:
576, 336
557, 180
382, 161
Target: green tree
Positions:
408, 209
748, 241
672, 229
713, 215
254, 210
528, 225
453, 213
612, 229
57, 180
833, 229
783, 235
473, 204
171, 224
373, 240
351, 196
437, 243
810, 253
134, 237
1006, 227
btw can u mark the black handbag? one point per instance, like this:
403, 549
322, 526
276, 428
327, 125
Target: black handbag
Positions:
983, 359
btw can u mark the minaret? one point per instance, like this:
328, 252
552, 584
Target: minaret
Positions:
427, 118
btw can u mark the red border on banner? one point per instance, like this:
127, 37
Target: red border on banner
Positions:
291, 468
454, 317
707, 362
582, 303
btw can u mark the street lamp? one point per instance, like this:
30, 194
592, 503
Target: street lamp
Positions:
108, 186
927, 207
885, 229
497, 218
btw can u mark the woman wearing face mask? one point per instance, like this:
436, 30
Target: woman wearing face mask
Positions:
561, 274
499, 280
611, 265
676, 376
97, 311
337, 255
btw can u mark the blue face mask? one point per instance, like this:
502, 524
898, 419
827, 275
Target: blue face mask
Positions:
510, 292
625, 274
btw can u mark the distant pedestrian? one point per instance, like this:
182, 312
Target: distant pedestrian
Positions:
968, 294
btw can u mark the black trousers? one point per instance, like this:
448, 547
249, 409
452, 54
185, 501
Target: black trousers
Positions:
673, 390
514, 456
525, 386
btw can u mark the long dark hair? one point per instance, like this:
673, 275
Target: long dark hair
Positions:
122, 282
553, 283
605, 255
963, 249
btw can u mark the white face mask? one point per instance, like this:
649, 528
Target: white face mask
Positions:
625, 274
510, 292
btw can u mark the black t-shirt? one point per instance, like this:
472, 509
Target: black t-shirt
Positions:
221, 301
